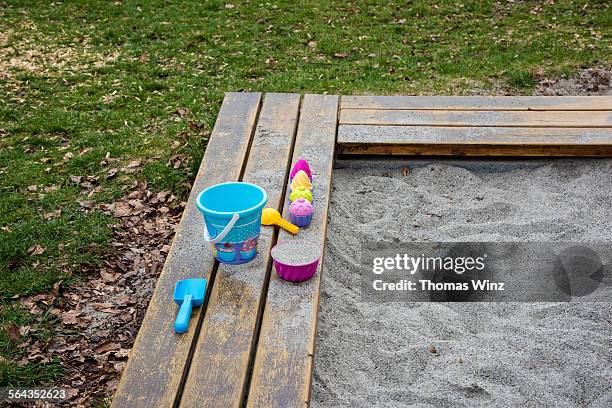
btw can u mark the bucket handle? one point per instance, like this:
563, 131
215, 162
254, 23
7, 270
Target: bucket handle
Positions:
223, 233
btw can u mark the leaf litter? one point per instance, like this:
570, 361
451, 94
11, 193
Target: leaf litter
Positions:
99, 316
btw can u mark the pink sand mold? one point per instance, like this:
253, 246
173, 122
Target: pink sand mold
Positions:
300, 165
296, 260
301, 212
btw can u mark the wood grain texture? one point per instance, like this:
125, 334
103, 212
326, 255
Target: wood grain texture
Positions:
220, 364
535, 103
282, 372
461, 141
597, 119
483, 150
153, 375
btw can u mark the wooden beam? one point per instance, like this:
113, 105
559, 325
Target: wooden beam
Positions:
220, 364
154, 372
282, 371
597, 119
482, 150
481, 141
534, 103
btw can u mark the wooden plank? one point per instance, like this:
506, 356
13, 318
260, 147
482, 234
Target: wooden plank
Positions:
481, 141
282, 372
219, 368
535, 103
153, 375
477, 150
368, 134
599, 119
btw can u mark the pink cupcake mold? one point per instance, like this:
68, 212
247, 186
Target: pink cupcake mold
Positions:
300, 165
296, 260
301, 212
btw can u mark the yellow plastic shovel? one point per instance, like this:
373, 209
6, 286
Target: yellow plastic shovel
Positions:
270, 216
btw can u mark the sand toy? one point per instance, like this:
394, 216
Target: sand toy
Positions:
296, 260
300, 180
300, 192
232, 216
188, 293
300, 165
272, 217
301, 212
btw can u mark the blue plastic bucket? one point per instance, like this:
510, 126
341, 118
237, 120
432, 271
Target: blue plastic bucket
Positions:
232, 218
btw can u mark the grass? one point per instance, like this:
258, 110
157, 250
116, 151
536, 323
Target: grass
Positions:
82, 80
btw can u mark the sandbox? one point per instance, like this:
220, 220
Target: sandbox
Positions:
487, 354
254, 342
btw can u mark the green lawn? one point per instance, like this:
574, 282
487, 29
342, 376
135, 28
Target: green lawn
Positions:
82, 80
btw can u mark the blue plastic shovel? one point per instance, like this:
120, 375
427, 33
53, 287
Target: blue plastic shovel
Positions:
188, 293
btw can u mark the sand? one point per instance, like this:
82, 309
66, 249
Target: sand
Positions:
296, 252
487, 354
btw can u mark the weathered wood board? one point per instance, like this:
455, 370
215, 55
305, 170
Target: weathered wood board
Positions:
153, 375
282, 372
222, 357
481, 141
548, 119
534, 103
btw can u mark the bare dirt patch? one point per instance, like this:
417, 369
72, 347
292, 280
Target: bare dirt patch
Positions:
590, 81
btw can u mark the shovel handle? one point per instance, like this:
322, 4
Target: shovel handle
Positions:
288, 226
181, 324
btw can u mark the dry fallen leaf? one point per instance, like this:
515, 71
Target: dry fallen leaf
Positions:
122, 209
24, 330
87, 204
106, 347
70, 318
76, 179
12, 331
108, 277
56, 288
134, 164
53, 214
33, 187
36, 250
405, 171
112, 173
341, 55
183, 112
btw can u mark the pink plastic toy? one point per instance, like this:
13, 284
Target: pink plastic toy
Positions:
300, 165
301, 212
296, 260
